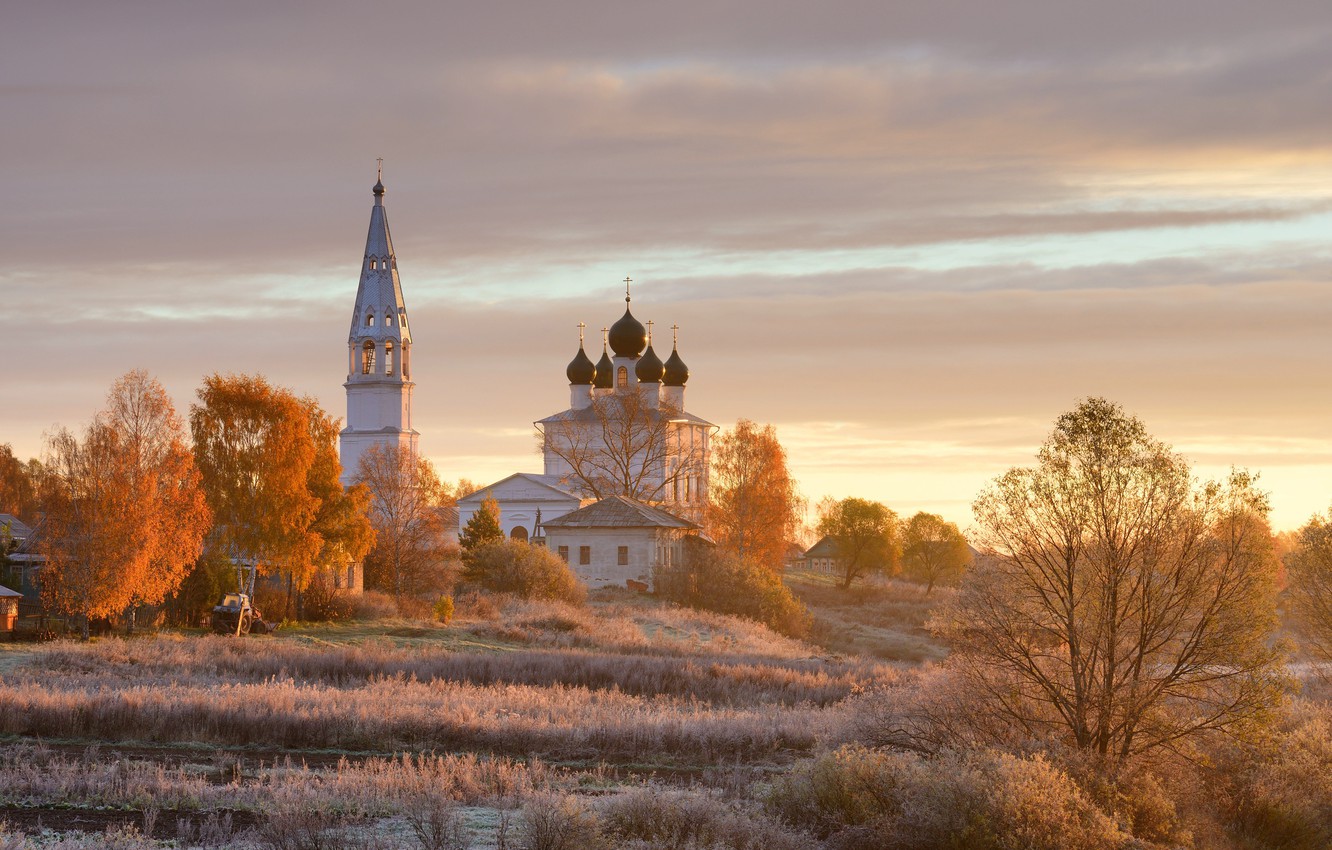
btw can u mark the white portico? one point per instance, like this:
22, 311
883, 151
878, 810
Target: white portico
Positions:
379, 352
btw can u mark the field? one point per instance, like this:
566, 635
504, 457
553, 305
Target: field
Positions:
625, 723
374, 727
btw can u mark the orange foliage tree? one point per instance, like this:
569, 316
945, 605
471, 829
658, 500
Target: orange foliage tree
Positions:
126, 515
252, 442
754, 507
342, 519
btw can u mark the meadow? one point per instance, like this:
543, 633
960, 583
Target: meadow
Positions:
623, 723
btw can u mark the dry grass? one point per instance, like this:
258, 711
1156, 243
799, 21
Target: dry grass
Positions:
879, 619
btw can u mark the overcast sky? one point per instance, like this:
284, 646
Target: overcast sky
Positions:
908, 234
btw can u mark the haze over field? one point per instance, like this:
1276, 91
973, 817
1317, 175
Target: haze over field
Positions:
908, 237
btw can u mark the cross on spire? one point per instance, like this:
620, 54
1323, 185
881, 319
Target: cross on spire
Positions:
649, 326
380, 172
627, 280
675, 335
581, 325
604, 331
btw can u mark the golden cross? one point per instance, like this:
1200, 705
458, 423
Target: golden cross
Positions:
649, 324
603, 337
581, 325
380, 174
627, 280
675, 335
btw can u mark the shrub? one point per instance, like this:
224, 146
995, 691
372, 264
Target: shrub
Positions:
662, 818
559, 822
373, 605
443, 610
712, 580
531, 572
1282, 794
987, 800
321, 601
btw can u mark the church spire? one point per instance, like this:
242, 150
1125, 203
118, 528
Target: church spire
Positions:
379, 359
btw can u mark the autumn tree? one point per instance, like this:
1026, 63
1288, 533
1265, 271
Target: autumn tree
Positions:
405, 494
1120, 607
18, 485
1310, 588
626, 444
933, 551
865, 537
125, 514
342, 518
754, 508
253, 444
175, 518
483, 527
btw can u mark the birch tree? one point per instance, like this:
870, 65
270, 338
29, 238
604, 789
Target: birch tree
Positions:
754, 506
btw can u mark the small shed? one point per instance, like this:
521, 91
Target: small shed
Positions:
9, 610
618, 540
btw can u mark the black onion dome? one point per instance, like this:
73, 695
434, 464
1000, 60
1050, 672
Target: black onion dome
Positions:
676, 373
650, 368
628, 337
581, 370
379, 189
605, 378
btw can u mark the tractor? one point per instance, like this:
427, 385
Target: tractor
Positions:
236, 614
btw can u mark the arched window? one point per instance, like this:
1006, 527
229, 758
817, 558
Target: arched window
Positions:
388, 319
407, 361
369, 320
388, 358
374, 264
622, 378
518, 533
368, 357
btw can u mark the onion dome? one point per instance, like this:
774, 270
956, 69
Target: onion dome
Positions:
379, 189
676, 373
605, 374
649, 368
628, 337
581, 370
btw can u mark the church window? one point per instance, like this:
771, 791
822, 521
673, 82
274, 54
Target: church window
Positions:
368, 358
686, 483
584, 555
369, 320
622, 378
622, 556
563, 552
388, 358
374, 264
406, 361
518, 533
388, 319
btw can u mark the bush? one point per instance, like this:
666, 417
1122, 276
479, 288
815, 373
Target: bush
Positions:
373, 605
1282, 794
662, 818
711, 580
443, 610
559, 822
530, 572
987, 800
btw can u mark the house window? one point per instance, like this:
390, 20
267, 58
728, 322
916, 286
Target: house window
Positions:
622, 556
518, 533
622, 378
368, 358
584, 555
388, 358
563, 552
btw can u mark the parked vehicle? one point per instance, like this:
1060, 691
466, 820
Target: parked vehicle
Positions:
236, 615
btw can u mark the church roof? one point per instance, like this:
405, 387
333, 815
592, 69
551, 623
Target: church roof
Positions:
553, 485
618, 512
589, 415
379, 293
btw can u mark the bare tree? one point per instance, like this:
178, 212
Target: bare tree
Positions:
625, 444
405, 493
1120, 607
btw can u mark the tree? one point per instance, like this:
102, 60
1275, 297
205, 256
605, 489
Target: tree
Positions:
1310, 589
754, 508
483, 527
933, 551
865, 534
405, 493
712, 579
126, 516
18, 491
342, 520
625, 444
93, 509
1119, 607
175, 518
253, 444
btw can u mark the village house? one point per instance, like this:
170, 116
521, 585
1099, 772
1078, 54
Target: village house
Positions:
618, 540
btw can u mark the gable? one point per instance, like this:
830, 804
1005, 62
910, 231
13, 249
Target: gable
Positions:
522, 487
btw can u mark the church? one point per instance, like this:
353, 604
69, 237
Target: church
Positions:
626, 434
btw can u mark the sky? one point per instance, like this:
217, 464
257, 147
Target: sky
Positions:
907, 234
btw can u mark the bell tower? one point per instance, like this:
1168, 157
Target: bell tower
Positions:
379, 351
